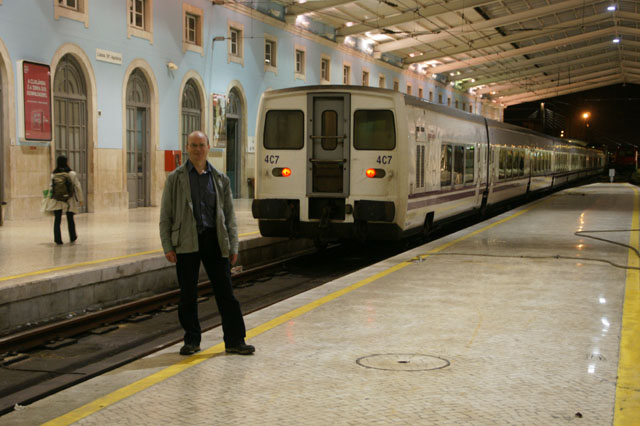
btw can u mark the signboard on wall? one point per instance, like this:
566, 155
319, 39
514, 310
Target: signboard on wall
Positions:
35, 101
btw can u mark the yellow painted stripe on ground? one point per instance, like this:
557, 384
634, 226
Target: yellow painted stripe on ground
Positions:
76, 265
140, 385
627, 411
92, 262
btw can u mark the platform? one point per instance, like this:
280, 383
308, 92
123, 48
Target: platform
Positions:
117, 258
516, 320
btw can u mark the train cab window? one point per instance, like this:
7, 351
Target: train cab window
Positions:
284, 129
458, 164
469, 163
329, 128
374, 130
445, 165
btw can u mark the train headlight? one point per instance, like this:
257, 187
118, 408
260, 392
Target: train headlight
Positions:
375, 173
281, 171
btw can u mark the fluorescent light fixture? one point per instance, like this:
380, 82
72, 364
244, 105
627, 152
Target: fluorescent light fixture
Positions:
611, 8
616, 40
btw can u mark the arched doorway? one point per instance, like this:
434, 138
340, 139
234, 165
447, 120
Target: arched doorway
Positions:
191, 113
234, 146
70, 118
138, 129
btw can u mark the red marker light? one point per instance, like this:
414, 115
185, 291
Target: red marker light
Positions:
281, 172
371, 173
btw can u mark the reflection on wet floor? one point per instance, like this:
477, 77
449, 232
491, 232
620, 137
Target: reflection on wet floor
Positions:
27, 245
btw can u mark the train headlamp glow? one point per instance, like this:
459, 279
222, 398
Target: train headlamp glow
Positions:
375, 173
281, 171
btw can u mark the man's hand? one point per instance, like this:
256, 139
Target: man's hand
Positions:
171, 256
233, 259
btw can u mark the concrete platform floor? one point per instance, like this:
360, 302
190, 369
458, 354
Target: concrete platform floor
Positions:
27, 247
514, 321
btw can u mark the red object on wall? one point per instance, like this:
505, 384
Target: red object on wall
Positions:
172, 159
37, 101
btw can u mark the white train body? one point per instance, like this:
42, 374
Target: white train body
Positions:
317, 148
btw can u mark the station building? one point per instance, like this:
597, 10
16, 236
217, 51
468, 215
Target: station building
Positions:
117, 86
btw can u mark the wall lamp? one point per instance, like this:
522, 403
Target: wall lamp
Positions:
172, 66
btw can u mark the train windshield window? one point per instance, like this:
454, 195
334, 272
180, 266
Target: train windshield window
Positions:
445, 165
458, 164
374, 129
284, 129
469, 164
329, 128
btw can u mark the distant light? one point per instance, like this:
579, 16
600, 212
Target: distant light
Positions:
616, 40
611, 8
350, 24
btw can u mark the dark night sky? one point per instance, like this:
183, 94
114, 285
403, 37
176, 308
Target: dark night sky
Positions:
615, 113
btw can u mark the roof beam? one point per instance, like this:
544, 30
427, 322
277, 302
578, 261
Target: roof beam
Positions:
514, 38
551, 91
542, 79
518, 52
478, 26
565, 91
412, 15
610, 71
530, 69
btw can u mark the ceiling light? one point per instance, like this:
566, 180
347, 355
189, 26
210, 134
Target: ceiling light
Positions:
611, 8
616, 39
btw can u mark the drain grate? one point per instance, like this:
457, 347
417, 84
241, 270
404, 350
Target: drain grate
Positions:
403, 362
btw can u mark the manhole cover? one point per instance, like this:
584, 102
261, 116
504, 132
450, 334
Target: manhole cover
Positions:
402, 362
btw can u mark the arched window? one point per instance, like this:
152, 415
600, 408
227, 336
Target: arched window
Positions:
191, 113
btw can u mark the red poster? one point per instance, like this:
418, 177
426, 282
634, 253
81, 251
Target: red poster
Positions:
36, 91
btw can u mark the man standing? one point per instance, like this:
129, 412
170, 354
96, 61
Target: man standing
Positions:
198, 224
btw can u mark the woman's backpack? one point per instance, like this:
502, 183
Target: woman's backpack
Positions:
61, 186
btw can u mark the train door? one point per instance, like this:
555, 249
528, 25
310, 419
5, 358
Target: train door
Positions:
328, 147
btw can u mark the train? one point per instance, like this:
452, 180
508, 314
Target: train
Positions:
362, 163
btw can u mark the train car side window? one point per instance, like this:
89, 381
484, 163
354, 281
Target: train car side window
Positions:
284, 129
374, 130
329, 128
458, 164
508, 164
502, 164
469, 163
520, 163
445, 165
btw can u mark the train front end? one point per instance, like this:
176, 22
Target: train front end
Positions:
326, 164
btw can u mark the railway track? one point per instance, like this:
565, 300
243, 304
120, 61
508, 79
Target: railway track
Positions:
47, 359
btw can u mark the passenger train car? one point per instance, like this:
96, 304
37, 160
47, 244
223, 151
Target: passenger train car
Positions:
350, 162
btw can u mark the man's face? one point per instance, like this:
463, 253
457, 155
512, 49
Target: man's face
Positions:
197, 147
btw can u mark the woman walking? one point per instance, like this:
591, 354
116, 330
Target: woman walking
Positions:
65, 196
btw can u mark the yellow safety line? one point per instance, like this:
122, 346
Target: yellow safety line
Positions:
627, 409
92, 262
142, 384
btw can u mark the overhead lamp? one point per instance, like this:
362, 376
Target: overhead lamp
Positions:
611, 7
616, 39
172, 66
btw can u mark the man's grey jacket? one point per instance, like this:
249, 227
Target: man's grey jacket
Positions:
178, 231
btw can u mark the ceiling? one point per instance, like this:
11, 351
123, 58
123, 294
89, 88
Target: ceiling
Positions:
511, 51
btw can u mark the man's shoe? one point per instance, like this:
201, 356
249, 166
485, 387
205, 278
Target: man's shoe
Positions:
189, 349
241, 349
